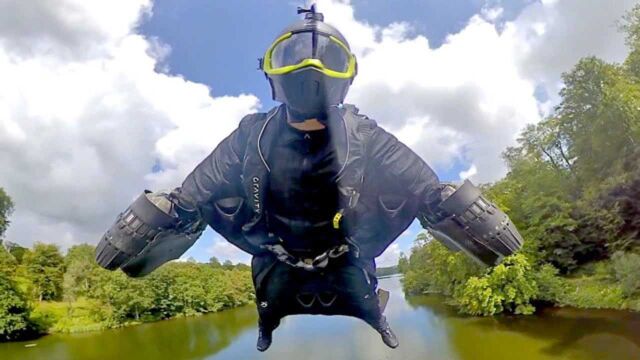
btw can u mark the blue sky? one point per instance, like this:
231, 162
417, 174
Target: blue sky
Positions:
88, 110
218, 45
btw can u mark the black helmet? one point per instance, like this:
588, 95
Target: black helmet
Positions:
309, 66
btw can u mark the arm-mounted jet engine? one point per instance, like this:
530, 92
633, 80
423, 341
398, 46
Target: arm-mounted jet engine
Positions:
466, 221
150, 232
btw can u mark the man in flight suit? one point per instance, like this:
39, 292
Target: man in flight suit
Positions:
313, 190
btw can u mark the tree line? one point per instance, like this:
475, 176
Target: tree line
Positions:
573, 190
387, 271
42, 290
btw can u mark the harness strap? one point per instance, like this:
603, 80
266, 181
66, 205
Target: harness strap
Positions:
310, 264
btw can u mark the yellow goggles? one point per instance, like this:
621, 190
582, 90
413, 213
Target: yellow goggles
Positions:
293, 51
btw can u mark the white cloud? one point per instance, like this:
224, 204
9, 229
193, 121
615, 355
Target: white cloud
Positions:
471, 171
492, 14
223, 250
466, 101
86, 112
390, 256
85, 116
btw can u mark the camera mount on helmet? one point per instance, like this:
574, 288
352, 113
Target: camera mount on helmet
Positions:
311, 13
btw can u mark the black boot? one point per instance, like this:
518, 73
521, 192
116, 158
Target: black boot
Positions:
388, 337
264, 338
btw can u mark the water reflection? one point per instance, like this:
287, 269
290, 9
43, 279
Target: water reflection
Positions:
187, 338
552, 334
426, 327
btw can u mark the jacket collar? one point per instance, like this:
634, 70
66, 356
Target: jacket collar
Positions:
336, 123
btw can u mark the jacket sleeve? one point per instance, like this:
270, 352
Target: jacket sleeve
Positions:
219, 174
402, 167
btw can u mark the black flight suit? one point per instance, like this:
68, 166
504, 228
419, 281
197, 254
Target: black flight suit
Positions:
302, 200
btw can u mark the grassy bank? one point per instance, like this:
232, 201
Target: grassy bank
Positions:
599, 286
83, 315
519, 285
60, 317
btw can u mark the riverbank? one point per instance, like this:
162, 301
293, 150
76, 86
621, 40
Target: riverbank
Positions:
43, 292
79, 317
426, 326
177, 290
519, 286
595, 292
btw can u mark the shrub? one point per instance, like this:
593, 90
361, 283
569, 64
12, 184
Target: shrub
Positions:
14, 311
626, 268
551, 287
508, 287
433, 268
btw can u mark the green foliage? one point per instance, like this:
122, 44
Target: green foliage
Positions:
80, 267
81, 315
509, 287
590, 293
176, 289
14, 311
124, 298
626, 268
6, 208
214, 262
572, 186
8, 263
94, 298
551, 287
630, 27
18, 252
403, 263
433, 268
45, 268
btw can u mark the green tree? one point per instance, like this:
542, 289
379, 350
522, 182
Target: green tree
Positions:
433, 268
243, 267
14, 311
403, 263
551, 287
227, 264
125, 298
45, 268
80, 265
8, 263
573, 191
214, 262
6, 208
626, 267
568, 174
18, 252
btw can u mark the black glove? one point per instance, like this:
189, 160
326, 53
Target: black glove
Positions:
432, 213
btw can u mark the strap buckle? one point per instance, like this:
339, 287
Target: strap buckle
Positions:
310, 264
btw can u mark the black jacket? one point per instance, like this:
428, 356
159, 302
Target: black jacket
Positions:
383, 184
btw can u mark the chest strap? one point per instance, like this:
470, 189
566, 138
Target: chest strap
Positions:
310, 264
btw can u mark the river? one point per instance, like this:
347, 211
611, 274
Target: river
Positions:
426, 327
